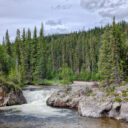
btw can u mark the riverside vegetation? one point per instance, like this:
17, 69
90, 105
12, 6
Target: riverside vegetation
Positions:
99, 54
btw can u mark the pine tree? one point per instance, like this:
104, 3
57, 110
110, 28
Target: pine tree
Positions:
105, 58
110, 62
41, 68
8, 44
17, 51
23, 56
117, 68
18, 47
28, 50
34, 53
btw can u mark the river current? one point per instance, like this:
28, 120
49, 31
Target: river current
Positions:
36, 114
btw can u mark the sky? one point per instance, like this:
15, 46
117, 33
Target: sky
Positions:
59, 16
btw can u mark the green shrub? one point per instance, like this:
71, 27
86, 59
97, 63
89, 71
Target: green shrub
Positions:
122, 84
9, 83
126, 99
93, 95
88, 95
117, 99
108, 94
111, 89
124, 95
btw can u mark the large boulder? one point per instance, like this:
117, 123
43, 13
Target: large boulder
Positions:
70, 98
92, 101
63, 100
123, 112
95, 105
115, 110
11, 97
91, 107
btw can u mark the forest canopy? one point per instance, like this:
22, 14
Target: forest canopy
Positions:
97, 54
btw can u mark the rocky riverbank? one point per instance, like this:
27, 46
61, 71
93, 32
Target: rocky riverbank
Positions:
93, 101
9, 97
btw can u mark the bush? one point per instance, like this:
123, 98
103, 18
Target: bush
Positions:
67, 76
124, 95
9, 83
117, 99
126, 99
84, 76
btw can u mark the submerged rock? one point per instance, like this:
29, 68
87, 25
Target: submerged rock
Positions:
11, 97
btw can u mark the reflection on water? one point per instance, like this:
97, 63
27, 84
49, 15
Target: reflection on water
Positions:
36, 114
103, 123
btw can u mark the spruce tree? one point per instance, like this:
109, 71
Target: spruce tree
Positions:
117, 74
17, 51
28, 50
8, 44
105, 67
41, 68
23, 56
110, 61
34, 53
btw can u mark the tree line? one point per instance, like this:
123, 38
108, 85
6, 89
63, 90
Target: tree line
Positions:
97, 54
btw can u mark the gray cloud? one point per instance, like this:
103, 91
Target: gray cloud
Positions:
120, 13
53, 23
107, 8
101, 4
63, 7
29, 13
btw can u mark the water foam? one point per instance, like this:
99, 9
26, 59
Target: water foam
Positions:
36, 104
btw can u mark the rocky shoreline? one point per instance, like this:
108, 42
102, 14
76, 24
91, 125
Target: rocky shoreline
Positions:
93, 101
9, 97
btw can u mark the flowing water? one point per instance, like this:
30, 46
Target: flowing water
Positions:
36, 114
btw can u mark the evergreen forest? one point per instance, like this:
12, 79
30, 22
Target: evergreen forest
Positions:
99, 54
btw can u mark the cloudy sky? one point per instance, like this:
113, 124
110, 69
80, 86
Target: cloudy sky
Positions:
59, 16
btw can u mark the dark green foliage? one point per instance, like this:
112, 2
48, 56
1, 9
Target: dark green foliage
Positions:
66, 75
117, 99
111, 61
9, 83
8, 44
97, 54
105, 58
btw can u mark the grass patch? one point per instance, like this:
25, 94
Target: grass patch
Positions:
122, 84
9, 83
93, 95
124, 95
117, 99
126, 99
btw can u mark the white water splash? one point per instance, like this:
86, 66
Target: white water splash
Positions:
36, 105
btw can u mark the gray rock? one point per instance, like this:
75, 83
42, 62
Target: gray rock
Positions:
91, 107
91, 101
124, 112
71, 98
11, 97
115, 111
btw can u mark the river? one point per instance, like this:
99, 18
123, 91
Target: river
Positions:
36, 114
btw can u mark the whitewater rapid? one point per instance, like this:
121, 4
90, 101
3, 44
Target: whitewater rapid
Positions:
36, 114
36, 104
